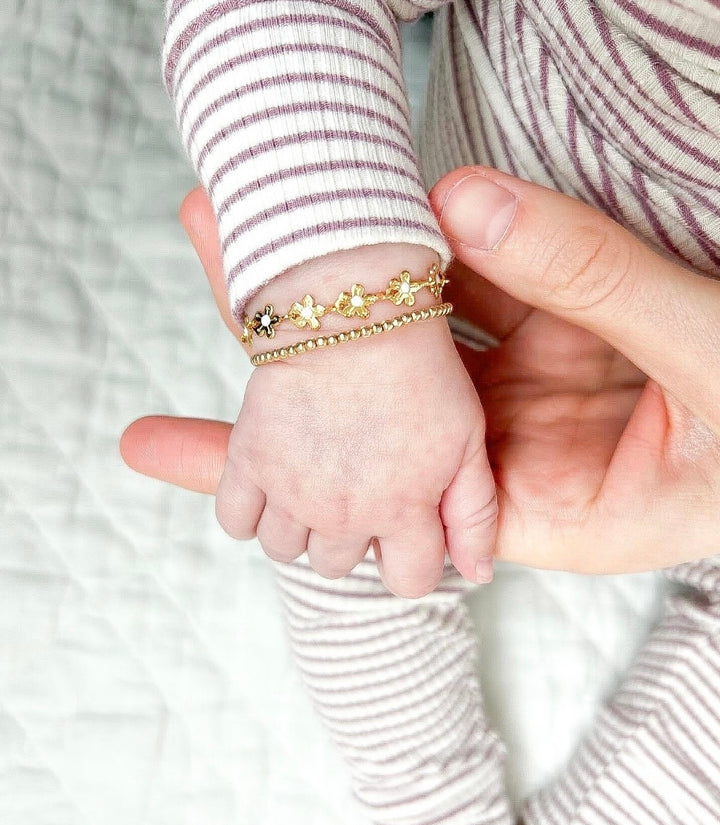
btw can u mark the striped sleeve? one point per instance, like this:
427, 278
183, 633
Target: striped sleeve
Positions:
394, 680
295, 117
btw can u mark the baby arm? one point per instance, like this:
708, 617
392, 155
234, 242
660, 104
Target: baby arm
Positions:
295, 117
380, 437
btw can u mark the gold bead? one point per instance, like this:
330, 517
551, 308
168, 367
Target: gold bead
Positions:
320, 341
300, 347
416, 315
342, 337
283, 352
332, 340
397, 323
310, 344
291, 350
376, 328
354, 334
387, 325
406, 318
365, 332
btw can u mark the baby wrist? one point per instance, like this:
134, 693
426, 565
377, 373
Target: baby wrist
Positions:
366, 331
352, 297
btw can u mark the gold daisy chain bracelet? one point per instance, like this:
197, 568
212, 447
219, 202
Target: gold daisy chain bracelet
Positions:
437, 311
353, 304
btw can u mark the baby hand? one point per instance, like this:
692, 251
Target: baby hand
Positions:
376, 440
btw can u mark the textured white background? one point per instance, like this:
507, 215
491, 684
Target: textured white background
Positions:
144, 673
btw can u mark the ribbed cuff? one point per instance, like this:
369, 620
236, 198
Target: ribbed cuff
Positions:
296, 120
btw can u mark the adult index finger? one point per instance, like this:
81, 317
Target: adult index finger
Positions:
188, 452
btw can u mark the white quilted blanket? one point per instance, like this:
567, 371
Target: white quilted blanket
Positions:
145, 678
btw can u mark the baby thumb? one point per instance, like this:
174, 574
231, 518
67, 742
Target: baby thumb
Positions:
469, 513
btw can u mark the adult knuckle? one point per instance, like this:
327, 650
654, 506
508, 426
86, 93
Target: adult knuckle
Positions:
586, 268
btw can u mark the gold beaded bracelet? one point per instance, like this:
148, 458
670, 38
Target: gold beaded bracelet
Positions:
437, 311
353, 304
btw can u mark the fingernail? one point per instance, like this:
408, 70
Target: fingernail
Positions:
484, 570
477, 212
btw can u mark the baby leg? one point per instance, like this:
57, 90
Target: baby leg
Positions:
394, 681
654, 755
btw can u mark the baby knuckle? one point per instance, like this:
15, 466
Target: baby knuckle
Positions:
342, 511
413, 588
231, 525
282, 556
331, 569
413, 581
265, 541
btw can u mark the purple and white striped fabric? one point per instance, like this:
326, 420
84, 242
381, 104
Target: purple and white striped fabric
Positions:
295, 117
602, 100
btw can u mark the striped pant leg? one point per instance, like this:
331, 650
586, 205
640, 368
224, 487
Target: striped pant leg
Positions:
654, 755
394, 680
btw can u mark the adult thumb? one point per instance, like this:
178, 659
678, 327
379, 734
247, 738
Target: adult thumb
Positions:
544, 248
562, 256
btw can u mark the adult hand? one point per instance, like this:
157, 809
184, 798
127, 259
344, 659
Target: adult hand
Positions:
598, 468
603, 397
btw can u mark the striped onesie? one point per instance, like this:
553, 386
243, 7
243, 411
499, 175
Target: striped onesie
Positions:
295, 117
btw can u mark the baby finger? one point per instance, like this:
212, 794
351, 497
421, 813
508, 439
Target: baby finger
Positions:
334, 558
413, 557
239, 503
282, 538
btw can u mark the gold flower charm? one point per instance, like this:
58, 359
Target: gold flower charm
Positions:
437, 281
402, 290
355, 302
264, 322
306, 314
247, 331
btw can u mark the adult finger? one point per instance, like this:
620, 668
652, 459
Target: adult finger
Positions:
198, 220
557, 254
413, 556
188, 452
